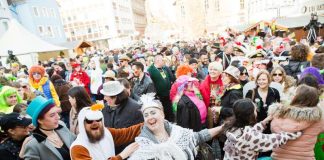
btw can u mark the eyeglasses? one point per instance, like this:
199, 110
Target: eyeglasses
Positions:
91, 121
36, 73
279, 74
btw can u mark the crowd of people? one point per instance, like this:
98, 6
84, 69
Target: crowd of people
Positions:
233, 97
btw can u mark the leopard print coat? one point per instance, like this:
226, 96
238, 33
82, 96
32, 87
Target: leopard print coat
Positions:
245, 144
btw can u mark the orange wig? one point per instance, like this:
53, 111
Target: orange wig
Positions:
183, 70
36, 68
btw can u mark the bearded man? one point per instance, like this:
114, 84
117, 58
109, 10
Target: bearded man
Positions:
94, 142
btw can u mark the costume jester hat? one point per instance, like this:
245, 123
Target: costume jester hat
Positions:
6, 93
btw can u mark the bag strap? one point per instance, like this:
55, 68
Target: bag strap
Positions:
253, 94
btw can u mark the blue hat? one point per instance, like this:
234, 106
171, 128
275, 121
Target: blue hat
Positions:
36, 106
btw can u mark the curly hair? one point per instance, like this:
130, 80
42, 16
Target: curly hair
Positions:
183, 70
299, 52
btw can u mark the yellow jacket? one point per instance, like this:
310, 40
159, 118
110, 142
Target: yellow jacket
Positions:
39, 86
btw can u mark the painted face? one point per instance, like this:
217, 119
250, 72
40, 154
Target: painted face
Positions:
111, 100
37, 75
277, 76
94, 130
153, 118
51, 118
263, 81
12, 100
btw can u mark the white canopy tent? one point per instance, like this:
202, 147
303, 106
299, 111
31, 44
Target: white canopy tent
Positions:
24, 44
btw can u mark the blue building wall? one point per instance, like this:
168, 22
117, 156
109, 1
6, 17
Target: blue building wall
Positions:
42, 18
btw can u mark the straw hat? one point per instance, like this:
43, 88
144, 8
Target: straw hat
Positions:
233, 71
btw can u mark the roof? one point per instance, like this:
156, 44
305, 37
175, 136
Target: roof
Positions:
294, 22
21, 41
76, 44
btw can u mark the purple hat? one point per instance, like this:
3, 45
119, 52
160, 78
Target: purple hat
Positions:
314, 72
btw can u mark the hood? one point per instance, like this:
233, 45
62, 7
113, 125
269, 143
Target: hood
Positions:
308, 114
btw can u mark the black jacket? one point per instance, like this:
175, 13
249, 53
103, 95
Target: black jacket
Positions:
128, 113
228, 99
9, 149
294, 67
143, 86
272, 97
188, 115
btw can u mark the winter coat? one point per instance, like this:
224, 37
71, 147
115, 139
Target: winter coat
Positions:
247, 142
162, 85
230, 96
188, 115
62, 87
39, 148
10, 149
308, 120
205, 89
272, 97
46, 86
294, 67
83, 77
126, 114
143, 86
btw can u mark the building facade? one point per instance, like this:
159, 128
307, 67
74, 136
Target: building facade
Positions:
41, 18
139, 17
4, 16
106, 23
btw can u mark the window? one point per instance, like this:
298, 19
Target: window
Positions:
41, 30
241, 4
5, 25
36, 11
45, 12
50, 32
53, 13
89, 30
58, 31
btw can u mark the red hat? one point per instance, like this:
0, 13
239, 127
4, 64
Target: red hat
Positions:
74, 65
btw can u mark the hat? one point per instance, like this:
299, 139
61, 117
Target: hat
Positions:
94, 112
233, 71
124, 57
75, 65
148, 101
36, 106
12, 120
192, 60
242, 69
112, 88
215, 45
109, 74
36, 68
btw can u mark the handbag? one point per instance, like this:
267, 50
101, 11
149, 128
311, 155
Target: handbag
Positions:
205, 152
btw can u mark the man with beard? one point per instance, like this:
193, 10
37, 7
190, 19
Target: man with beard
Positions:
143, 83
94, 142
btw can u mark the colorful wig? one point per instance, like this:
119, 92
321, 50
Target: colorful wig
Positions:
314, 72
183, 70
38, 69
5, 93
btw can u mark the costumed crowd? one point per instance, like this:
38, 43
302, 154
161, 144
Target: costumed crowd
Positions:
233, 97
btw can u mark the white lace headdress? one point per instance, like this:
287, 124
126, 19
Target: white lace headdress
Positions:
148, 101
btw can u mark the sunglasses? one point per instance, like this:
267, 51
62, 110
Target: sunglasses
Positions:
24, 86
91, 121
36, 73
280, 74
243, 74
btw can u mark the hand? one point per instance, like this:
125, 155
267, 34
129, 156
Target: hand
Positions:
129, 150
267, 120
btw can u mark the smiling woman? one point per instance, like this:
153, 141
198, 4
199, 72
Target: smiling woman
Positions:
8, 98
160, 139
51, 139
